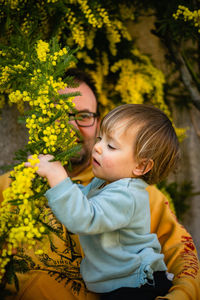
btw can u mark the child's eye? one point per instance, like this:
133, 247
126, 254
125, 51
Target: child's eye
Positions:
111, 147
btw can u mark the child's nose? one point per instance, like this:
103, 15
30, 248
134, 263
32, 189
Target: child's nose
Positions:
98, 148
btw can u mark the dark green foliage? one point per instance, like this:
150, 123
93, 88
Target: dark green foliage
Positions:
180, 193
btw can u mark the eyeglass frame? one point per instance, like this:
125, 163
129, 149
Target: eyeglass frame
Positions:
92, 114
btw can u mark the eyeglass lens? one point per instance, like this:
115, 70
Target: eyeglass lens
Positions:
84, 118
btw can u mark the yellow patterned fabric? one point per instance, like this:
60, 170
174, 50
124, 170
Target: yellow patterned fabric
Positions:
178, 247
55, 275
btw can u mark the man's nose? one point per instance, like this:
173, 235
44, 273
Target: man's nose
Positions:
73, 122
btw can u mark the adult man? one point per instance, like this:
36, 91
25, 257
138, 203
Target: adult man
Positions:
55, 274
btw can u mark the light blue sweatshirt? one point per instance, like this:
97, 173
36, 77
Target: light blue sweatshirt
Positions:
113, 224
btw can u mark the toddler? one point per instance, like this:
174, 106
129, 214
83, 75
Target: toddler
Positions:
136, 146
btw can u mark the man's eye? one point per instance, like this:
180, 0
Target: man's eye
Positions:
111, 147
84, 116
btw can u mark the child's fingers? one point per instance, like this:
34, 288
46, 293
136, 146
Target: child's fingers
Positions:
46, 157
27, 164
42, 158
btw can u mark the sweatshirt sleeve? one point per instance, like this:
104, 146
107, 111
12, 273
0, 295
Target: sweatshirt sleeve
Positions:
178, 248
108, 211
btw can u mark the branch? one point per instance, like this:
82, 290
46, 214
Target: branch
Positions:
194, 124
186, 76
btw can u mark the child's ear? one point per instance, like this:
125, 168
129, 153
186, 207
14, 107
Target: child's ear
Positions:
143, 167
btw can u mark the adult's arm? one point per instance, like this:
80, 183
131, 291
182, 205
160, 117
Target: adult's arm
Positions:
178, 247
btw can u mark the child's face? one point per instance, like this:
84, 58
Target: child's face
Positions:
113, 155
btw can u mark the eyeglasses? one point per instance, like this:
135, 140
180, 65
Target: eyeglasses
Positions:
83, 118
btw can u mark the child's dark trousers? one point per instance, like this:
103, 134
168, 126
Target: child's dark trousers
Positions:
145, 292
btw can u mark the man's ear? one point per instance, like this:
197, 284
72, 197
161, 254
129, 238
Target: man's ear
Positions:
143, 167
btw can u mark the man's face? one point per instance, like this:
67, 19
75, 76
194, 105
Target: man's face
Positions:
85, 102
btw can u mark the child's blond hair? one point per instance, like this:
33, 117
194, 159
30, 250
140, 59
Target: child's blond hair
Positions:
156, 138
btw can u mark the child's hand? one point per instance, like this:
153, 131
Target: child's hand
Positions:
44, 166
52, 170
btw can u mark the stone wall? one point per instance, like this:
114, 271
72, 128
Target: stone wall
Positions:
189, 167
13, 136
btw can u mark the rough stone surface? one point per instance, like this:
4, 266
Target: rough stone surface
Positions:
13, 136
189, 167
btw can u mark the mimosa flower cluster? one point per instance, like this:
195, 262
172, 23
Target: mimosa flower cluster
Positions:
78, 23
188, 16
37, 79
136, 81
20, 221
